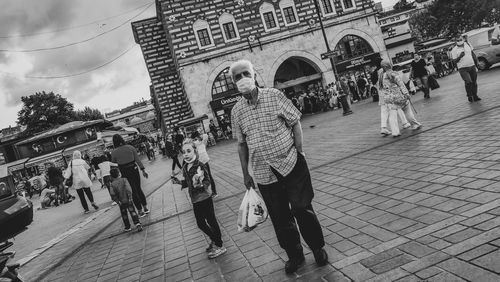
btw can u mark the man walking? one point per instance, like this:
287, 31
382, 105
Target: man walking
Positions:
267, 127
463, 57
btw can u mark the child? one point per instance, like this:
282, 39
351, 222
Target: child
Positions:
172, 152
197, 180
105, 169
47, 196
121, 193
201, 148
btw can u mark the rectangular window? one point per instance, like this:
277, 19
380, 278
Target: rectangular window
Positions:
348, 4
269, 20
327, 6
229, 31
204, 37
289, 15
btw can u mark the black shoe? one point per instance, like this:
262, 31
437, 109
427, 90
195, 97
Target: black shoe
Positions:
476, 99
293, 264
470, 99
321, 257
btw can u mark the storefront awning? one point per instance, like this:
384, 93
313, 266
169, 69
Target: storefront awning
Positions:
440, 46
17, 165
43, 158
193, 120
298, 81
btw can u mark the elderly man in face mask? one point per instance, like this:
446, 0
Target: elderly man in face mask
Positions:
267, 127
464, 58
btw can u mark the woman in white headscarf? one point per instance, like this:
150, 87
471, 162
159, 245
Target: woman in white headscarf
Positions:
395, 96
79, 169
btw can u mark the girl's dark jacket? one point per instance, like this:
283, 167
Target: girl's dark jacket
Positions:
198, 192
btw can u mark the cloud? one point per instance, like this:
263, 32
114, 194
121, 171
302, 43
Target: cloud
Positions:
127, 77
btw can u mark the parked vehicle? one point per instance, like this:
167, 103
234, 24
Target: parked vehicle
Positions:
16, 213
486, 45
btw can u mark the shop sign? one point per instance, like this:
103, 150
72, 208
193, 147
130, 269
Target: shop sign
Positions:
356, 62
224, 102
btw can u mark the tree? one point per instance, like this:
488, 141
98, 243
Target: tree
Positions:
88, 114
42, 111
449, 18
402, 5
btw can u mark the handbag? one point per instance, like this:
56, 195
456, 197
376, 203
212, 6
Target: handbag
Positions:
69, 181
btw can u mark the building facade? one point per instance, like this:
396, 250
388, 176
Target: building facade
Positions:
189, 46
398, 38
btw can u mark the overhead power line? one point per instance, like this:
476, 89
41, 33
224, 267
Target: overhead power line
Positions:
78, 73
78, 42
74, 27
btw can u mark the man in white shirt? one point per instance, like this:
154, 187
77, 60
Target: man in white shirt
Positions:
463, 57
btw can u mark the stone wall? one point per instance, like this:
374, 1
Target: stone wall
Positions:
199, 77
182, 73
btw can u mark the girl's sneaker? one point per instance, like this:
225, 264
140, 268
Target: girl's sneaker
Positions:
127, 229
139, 227
216, 251
86, 211
141, 214
146, 211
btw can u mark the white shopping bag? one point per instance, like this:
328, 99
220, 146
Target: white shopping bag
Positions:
252, 211
243, 213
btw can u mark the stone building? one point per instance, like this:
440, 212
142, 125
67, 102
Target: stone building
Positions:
190, 44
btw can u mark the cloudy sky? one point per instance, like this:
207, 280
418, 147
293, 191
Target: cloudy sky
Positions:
26, 25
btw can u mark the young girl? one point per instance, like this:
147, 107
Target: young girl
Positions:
197, 180
201, 148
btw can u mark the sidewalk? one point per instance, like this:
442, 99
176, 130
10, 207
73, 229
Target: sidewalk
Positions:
424, 206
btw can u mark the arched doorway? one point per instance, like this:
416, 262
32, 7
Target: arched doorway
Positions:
296, 74
224, 95
354, 55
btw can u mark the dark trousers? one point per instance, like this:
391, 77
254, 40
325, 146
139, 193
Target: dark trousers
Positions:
288, 200
131, 172
126, 208
424, 83
205, 219
175, 161
345, 104
81, 194
469, 76
212, 182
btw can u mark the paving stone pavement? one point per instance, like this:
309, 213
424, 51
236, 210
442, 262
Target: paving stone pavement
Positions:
424, 207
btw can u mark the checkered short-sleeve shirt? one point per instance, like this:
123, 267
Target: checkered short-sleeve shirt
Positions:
267, 129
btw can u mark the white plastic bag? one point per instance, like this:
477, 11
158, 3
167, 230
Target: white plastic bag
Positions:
252, 211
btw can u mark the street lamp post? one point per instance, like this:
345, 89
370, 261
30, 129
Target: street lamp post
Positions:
328, 50
343, 98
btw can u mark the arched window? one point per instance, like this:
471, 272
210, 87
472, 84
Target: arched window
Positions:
228, 27
289, 12
203, 34
223, 85
268, 16
327, 7
352, 46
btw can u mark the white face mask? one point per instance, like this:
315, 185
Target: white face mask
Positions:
246, 85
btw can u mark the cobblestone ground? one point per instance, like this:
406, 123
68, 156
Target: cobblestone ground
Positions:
422, 207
